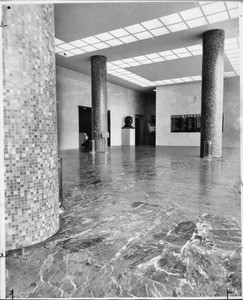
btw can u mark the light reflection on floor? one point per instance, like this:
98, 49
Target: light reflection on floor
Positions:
139, 222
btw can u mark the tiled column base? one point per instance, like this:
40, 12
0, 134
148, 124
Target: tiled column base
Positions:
30, 125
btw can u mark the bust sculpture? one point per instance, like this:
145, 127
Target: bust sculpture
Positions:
128, 122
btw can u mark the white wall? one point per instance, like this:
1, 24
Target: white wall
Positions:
176, 100
186, 99
74, 89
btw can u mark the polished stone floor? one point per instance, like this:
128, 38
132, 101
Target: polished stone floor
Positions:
139, 222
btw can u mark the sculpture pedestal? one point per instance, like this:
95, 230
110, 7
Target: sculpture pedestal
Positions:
128, 137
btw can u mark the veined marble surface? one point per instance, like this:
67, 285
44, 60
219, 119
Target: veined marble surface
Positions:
139, 222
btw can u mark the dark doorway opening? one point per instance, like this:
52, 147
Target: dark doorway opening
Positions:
85, 125
139, 130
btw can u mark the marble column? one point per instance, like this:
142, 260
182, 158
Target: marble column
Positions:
212, 90
99, 102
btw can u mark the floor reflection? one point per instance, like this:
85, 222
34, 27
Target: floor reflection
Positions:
139, 222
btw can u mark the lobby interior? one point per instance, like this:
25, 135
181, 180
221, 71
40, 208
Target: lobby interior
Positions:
136, 213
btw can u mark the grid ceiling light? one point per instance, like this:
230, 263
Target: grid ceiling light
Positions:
207, 12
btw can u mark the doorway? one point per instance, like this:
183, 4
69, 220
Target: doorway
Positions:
139, 130
85, 124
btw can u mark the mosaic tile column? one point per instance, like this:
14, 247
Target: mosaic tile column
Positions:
99, 102
30, 125
212, 90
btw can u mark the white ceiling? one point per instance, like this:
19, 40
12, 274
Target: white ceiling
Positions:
78, 24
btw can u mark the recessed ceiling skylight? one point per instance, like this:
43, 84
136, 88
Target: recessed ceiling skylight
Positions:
191, 13
104, 36
179, 50
170, 57
177, 27
182, 55
234, 13
119, 32
66, 46
58, 50
152, 55
78, 43
128, 39
197, 22
218, 17
58, 42
155, 23
101, 45
89, 48
143, 35
91, 40
171, 19
213, 8
190, 18
159, 31
114, 42
77, 51
232, 4
135, 28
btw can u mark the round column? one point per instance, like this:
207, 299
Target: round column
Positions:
212, 90
99, 102
30, 125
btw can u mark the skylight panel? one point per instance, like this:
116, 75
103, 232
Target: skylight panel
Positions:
197, 22
155, 23
166, 53
146, 62
171, 19
58, 50
177, 27
191, 13
152, 55
91, 40
194, 47
180, 50
182, 55
177, 80
196, 78
204, 2
78, 43
186, 79
218, 17
89, 48
167, 81
143, 35
101, 45
124, 65
159, 59
77, 51
170, 57
104, 36
140, 58
119, 32
232, 51
114, 42
58, 42
135, 28
213, 8
159, 31
134, 64
234, 13
117, 62
196, 52
128, 60
128, 39
66, 46
232, 4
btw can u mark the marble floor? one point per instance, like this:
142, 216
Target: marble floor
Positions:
139, 222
